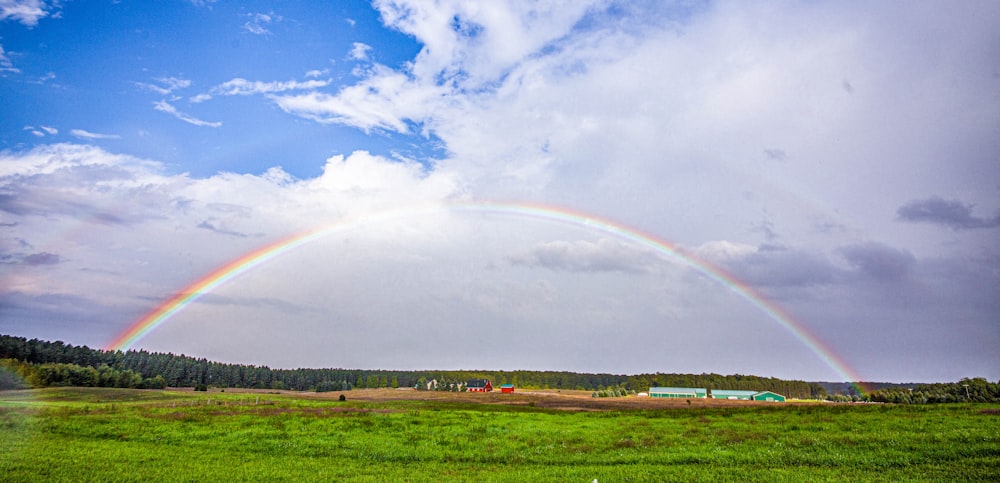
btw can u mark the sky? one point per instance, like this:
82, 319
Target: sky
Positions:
796, 189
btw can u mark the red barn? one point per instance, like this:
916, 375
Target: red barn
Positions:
506, 388
479, 385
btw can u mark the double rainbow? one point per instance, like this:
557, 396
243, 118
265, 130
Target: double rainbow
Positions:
248, 261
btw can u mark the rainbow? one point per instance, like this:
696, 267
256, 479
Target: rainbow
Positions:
249, 261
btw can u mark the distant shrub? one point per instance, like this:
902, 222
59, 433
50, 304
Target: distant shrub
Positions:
201, 387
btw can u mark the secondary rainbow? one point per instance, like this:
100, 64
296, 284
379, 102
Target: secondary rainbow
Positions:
248, 261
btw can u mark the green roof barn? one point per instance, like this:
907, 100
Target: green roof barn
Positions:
768, 396
678, 392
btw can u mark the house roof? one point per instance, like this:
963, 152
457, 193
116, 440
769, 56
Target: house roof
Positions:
506, 385
478, 383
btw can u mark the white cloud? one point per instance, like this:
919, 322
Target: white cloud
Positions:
360, 51
200, 98
166, 85
258, 22
174, 83
458, 56
41, 131
243, 87
5, 64
28, 12
133, 214
166, 107
82, 134
385, 100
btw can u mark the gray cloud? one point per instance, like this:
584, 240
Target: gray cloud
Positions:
43, 258
107, 191
879, 261
51, 316
584, 256
778, 266
775, 154
205, 225
951, 213
47, 202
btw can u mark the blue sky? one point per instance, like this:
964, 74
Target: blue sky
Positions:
838, 158
102, 67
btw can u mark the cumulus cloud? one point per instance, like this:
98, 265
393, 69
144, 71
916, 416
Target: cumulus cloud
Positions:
77, 182
28, 12
164, 106
939, 211
360, 51
478, 42
129, 219
465, 48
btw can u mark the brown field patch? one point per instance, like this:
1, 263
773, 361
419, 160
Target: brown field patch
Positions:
567, 400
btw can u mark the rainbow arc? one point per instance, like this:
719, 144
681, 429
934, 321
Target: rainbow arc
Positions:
248, 261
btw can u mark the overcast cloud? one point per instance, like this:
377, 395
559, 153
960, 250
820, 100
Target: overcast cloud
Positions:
837, 158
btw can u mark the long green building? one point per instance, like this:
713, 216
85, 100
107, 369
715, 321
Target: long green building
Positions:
732, 394
747, 395
678, 392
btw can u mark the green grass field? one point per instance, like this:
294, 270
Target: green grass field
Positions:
75, 434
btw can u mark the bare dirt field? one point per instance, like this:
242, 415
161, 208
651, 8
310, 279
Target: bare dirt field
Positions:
543, 398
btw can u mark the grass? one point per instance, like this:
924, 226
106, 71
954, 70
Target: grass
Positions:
72, 434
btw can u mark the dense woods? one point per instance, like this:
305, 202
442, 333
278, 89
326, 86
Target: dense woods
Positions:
41, 363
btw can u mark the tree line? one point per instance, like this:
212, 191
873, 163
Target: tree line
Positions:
968, 389
185, 371
42, 363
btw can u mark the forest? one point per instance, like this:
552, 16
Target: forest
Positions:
33, 362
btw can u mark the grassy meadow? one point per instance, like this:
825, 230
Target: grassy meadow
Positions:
77, 434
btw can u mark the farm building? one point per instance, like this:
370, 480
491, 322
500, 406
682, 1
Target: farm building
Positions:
730, 394
479, 385
678, 392
747, 395
506, 388
768, 396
